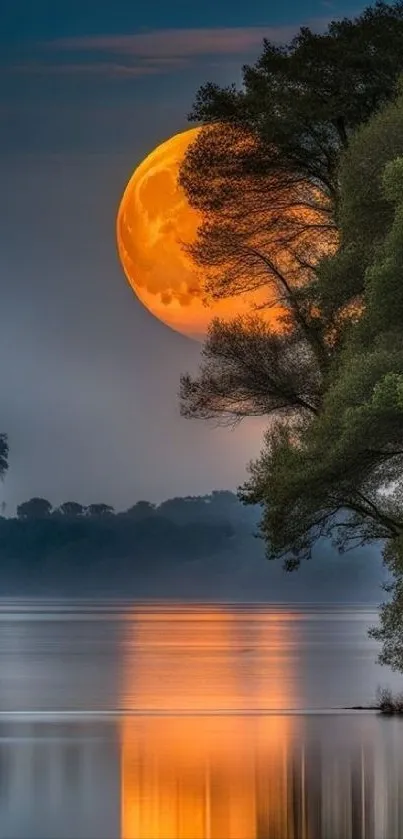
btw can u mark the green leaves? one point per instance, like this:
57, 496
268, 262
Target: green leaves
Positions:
307, 97
393, 179
317, 129
389, 631
388, 393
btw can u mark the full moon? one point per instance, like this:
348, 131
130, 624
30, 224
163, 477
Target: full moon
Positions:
153, 222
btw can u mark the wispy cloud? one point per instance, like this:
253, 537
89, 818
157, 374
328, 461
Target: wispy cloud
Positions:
152, 52
172, 43
101, 68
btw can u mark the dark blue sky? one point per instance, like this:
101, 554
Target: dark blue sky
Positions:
88, 378
27, 21
96, 75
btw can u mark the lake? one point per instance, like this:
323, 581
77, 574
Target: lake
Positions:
209, 721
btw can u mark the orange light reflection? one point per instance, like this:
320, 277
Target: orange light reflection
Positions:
205, 774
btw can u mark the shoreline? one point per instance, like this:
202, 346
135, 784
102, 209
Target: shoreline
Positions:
381, 712
363, 708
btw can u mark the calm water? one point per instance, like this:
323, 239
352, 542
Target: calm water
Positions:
213, 722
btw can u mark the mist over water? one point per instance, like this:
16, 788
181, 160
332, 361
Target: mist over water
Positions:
203, 721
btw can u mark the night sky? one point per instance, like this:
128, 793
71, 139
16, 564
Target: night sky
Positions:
88, 377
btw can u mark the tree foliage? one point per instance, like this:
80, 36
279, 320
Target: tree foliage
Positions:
389, 631
3, 454
348, 459
141, 510
277, 204
304, 99
318, 127
35, 508
180, 528
248, 370
97, 510
71, 509
264, 170
263, 226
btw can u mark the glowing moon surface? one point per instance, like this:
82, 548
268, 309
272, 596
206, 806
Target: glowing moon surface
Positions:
154, 219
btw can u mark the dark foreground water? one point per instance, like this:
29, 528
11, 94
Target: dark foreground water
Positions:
212, 722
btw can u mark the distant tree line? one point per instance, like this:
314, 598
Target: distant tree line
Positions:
219, 505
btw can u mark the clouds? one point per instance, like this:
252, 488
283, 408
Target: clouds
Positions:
160, 44
151, 52
105, 92
163, 51
109, 69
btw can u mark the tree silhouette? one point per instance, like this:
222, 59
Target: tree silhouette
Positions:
3, 454
71, 509
98, 510
35, 508
141, 510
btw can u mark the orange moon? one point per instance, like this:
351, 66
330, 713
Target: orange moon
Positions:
154, 219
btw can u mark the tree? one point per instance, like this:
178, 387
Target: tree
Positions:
264, 171
265, 166
141, 510
223, 500
304, 99
35, 508
187, 509
331, 377
248, 370
3, 454
98, 510
340, 470
264, 228
389, 630
71, 509
366, 213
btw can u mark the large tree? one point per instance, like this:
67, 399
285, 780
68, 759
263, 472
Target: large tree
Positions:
347, 456
264, 171
323, 115
71, 509
35, 508
335, 440
99, 510
302, 100
265, 168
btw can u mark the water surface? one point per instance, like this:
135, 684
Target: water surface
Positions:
204, 722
